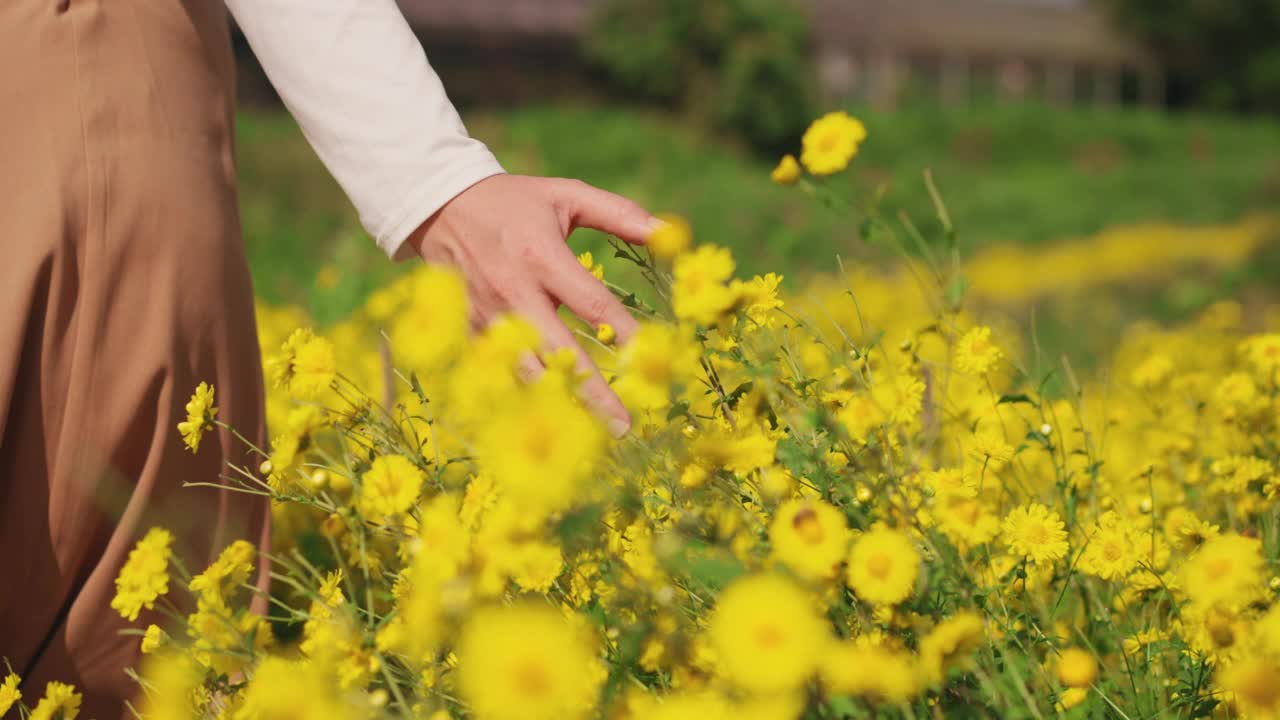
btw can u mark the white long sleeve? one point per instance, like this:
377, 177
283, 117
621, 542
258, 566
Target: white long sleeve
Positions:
356, 79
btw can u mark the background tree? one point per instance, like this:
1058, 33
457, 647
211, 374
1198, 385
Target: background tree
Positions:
737, 65
1223, 54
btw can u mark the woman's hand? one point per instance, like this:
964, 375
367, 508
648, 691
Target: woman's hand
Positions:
506, 235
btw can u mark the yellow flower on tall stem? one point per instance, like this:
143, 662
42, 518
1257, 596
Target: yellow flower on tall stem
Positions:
671, 237
766, 634
389, 487
9, 693
831, 142
145, 575
883, 567
60, 702
975, 353
787, 172
1077, 668
1036, 533
699, 291
527, 662
200, 415
810, 536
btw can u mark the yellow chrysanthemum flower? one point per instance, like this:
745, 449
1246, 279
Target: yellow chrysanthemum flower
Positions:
742, 452
433, 327
1263, 353
1077, 668
389, 487
173, 689
989, 451
831, 142
153, 639
606, 334
787, 172
534, 566
225, 575
540, 447
1255, 682
314, 368
283, 689
951, 482
145, 575
766, 634
966, 521
60, 702
527, 662
9, 692
200, 415
870, 671
1152, 372
759, 298
1072, 697
671, 237
883, 567
699, 290
658, 359
810, 537
975, 354
1185, 531
1036, 533
1113, 550
900, 396
949, 645
1225, 572
588, 263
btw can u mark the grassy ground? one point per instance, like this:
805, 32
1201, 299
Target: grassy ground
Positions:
1020, 174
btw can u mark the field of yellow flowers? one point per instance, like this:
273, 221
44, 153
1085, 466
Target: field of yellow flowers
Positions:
853, 502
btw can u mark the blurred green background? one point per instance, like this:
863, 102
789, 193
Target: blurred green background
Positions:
666, 117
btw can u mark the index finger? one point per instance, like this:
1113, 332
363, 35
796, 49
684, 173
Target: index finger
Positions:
595, 392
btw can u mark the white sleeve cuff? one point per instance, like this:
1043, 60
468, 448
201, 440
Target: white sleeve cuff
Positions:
427, 198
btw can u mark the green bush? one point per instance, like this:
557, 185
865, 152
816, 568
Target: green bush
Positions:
742, 66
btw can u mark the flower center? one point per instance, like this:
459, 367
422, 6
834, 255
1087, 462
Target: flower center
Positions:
879, 565
538, 438
807, 526
1112, 551
1261, 686
1037, 534
968, 512
531, 679
1217, 568
655, 369
768, 636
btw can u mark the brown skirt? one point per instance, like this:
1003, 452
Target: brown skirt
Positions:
123, 284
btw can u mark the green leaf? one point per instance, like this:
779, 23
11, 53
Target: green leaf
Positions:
842, 705
680, 409
577, 529
741, 390
715, 571
416, 386
956, 289
1016, 399
707, 566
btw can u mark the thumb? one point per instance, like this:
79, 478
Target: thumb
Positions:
591, 207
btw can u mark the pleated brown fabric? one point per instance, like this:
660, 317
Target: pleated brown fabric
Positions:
123, 284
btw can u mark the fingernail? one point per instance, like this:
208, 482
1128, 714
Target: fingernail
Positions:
655, 223
618, 427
